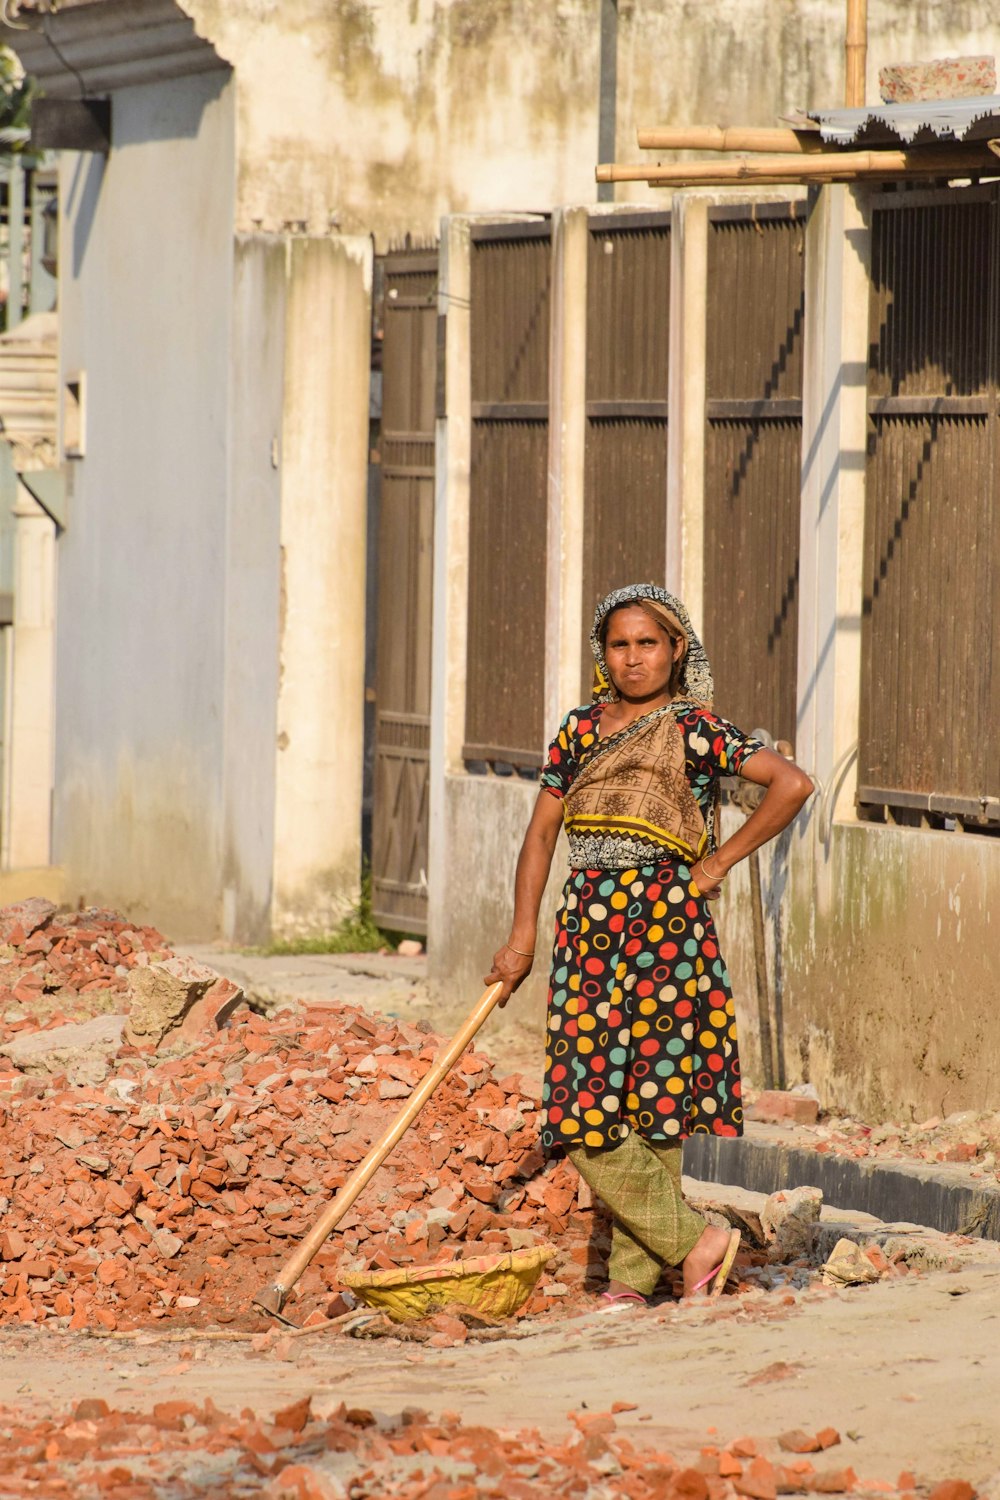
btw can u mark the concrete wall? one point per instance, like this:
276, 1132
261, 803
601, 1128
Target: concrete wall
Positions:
320, 727
880, 945
253, 587
382, 115
146, 307
29, 731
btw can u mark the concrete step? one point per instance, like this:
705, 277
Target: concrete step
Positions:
939, 1197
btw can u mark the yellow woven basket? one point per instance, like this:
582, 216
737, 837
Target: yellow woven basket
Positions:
493, 1284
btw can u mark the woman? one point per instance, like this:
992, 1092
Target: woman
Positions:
641, 1045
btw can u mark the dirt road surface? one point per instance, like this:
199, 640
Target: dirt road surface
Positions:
908, 1372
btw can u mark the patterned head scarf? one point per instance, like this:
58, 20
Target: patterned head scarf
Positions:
696, 674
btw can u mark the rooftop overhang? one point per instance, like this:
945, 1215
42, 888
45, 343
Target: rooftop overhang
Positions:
87, 48
921, 124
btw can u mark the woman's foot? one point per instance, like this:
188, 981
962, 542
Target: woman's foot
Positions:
620, 1295
710, 1260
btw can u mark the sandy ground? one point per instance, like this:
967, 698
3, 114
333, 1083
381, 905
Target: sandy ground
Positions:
908, 1371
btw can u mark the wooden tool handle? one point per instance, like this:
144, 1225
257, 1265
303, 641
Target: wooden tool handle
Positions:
335, 1211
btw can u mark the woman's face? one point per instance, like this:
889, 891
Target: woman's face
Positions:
640, 654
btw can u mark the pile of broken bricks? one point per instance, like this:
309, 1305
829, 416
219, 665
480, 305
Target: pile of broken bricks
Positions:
164, 1171
145, 1169
321, 1449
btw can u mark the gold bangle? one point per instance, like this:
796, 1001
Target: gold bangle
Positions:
519, 951
708, 872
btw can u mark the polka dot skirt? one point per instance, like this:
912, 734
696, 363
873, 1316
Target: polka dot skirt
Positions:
641, 1028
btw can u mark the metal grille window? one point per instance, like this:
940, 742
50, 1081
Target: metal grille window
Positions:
930, 702
756, 304
510, 276
625, 484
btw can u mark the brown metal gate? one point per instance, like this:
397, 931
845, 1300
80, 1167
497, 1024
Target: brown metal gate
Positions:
510, 278
756, 303
404, 566
930, 700
628, 332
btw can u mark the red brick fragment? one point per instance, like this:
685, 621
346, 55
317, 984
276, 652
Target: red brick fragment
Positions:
758, 1480
778, 1107
91, 1409
688, 1484
303, 1482
952, 1489
833, 1481
798, 1441
12, 1245
294, 1417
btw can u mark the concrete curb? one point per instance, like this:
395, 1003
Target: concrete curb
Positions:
896, 1192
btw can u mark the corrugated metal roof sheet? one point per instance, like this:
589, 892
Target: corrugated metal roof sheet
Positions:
912, 124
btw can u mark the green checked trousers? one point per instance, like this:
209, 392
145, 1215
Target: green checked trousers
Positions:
640, 1182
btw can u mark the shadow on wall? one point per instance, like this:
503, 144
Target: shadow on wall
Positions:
146, 116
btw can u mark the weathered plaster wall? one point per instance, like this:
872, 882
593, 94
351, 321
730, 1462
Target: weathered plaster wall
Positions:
387, 114
324, 460
252, 599
887, 985
484, 818
145, 309
29, 730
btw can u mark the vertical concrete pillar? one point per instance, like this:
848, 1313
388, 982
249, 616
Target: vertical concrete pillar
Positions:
320, 717
452, 462
567, 440
30, 723
686, 450
834, 419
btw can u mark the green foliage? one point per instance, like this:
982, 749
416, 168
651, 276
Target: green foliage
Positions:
358, 933
15, 94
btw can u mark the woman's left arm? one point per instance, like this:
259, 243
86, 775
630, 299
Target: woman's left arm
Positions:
788, 788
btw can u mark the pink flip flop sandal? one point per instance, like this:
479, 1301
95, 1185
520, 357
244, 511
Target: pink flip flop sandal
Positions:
721, 1272
620, 1301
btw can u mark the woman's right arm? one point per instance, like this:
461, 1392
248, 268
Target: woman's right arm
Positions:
512, 962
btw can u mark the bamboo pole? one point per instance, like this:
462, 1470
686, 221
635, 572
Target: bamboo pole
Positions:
272, 1298
831, 166
730, 138
856, 54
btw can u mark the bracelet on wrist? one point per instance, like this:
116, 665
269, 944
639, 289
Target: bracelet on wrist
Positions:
708, 872
521, 953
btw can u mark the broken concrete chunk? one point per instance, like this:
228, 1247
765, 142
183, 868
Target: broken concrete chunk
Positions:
787, 1220
20, 920
161, 996
848, 1266
82, 1050
220, 1001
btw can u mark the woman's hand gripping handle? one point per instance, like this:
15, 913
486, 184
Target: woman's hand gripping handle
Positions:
511, 968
